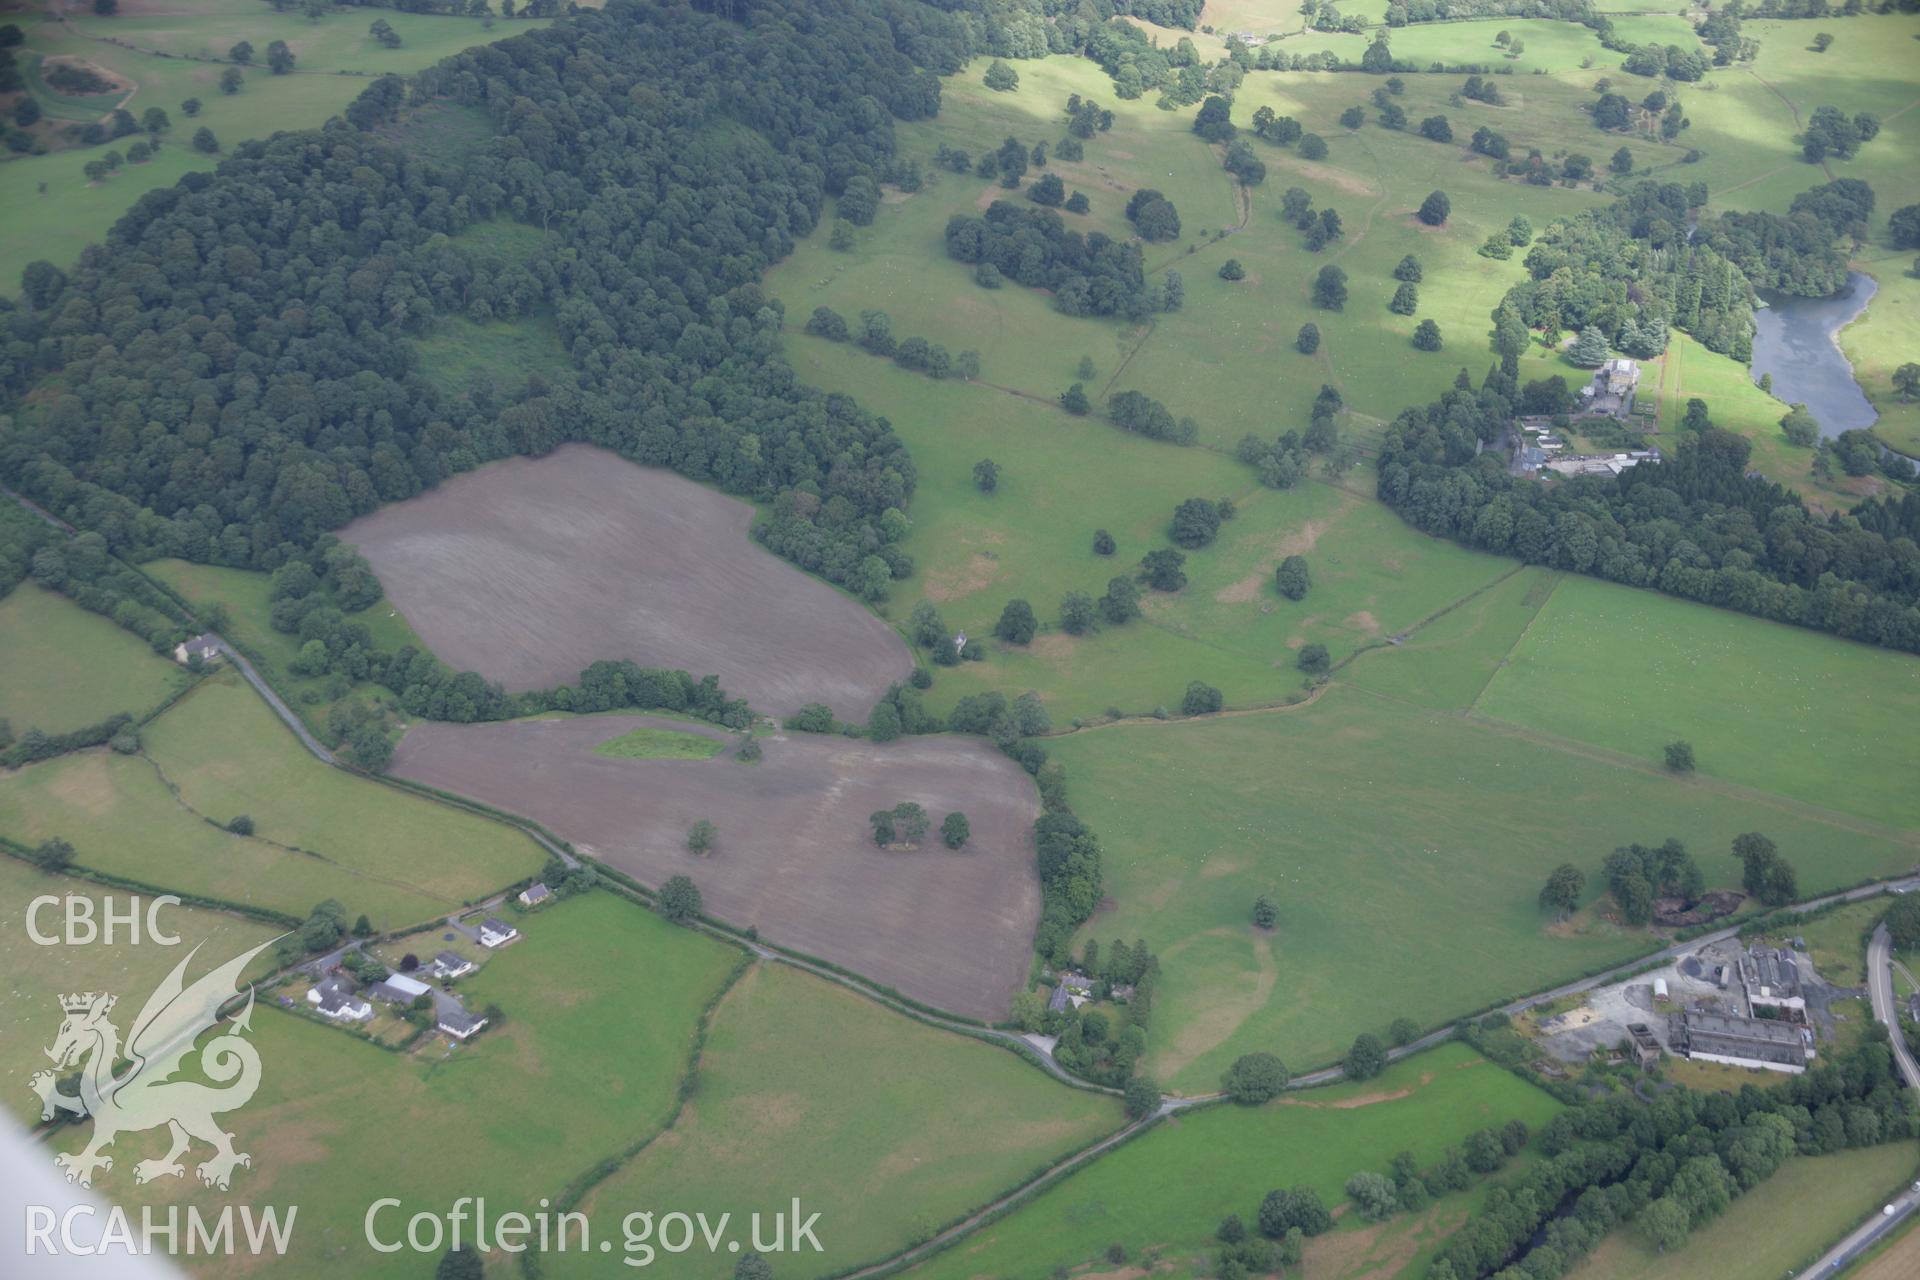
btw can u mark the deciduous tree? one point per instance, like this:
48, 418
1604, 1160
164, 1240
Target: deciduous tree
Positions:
1561, 893
954, 831
1017, 623
1293, 578
1366, 1058
1255, 1078
679, 899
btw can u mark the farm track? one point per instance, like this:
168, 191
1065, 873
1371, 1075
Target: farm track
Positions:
1514, 647
1314, 695
1798, 125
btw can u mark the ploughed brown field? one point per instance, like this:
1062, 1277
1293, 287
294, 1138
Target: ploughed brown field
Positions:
794, 856
530, 569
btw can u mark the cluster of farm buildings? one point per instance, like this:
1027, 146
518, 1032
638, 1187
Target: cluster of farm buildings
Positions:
1773, 1033
1610, 394
1743, 1008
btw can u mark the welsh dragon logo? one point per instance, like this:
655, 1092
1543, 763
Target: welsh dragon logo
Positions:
144, 1095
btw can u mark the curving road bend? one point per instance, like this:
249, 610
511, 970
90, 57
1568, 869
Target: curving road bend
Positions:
1885, 1008
1901, 1207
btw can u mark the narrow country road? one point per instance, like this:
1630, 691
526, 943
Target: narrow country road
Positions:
320, 752
1867, 1234
281, 709
1885, 1008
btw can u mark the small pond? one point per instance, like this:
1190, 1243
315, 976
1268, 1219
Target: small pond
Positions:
1797, 341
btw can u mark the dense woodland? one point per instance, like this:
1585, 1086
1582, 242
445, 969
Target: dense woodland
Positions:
1090, 274
228, 377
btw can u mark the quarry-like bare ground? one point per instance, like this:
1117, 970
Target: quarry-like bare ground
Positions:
794, 856
530, 569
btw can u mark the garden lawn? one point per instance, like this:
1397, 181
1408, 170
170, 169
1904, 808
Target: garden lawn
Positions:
227, 753
1773, 1230
67, 667
1169, 1189
39, 975
581, 1068
803, 1091
121, 819
1404, 848
1765, 705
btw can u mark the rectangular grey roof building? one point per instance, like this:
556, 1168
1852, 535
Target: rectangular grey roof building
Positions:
1746, 1042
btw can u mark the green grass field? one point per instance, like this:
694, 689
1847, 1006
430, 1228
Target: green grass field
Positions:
1227, 357
1380, 828
581, 1069
69, 668
1487, 721
121, 819
1061, 478
1551, 47
660, 744
1765, 705
319, 832
885, 1127
227, 753
336, 59
1773, 1230
1446, 663
1169, 1189
39, 975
